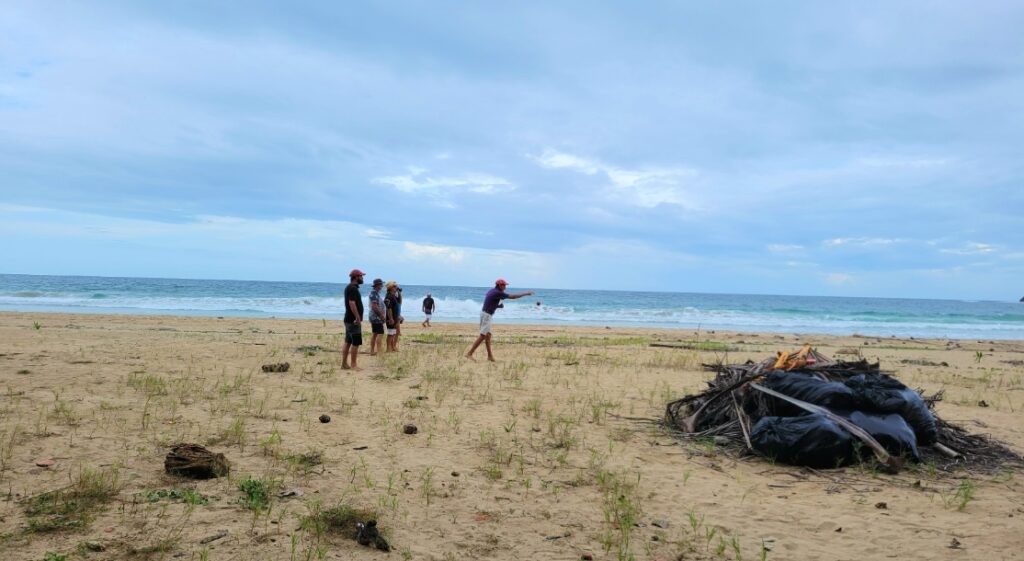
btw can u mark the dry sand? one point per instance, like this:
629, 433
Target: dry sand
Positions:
551, 453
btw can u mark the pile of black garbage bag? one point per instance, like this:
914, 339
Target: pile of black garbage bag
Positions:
893, 414
740, 412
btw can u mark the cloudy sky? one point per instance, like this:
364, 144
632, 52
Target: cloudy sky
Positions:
820, 148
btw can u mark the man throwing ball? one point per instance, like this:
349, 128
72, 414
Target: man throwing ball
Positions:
492, 301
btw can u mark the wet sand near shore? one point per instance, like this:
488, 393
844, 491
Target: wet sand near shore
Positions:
553, 452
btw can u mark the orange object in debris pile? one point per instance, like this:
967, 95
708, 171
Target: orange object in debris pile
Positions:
793, 361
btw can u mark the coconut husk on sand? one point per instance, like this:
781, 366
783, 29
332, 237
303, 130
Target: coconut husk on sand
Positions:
195, 462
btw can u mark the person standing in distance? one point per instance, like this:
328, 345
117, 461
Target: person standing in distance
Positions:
428, 309
492, 301
353, 321
377, 314
398, 311
391, 317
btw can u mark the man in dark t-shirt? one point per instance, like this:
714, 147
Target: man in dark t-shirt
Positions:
492, 301
428, 309
398, 312
392, 316
353, 321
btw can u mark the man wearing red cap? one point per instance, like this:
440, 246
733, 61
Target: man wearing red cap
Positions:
353, 321
492, 301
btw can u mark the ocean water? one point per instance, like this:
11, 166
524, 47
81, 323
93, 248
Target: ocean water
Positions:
740, 312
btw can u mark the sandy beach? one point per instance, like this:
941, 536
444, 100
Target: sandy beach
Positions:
553, 452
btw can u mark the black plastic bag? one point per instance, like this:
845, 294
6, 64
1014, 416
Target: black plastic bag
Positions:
880, 394
809, 440
890, 430
830, 395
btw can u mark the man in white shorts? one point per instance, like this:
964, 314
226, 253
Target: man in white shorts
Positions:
428, 309
492, 301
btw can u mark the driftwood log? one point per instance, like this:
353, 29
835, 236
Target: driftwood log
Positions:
195, 462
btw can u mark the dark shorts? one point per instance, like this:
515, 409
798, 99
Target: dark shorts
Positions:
377, 327
354, 334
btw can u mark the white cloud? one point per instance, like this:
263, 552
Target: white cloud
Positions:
417, 181
21, 208
646, 187
428, 251
937, 272
481, 183
838, 279
784, 248
905, 163
474, 232
861, 242
557, 160
971, 248
213, 246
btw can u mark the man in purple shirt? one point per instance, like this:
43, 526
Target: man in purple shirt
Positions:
492, 301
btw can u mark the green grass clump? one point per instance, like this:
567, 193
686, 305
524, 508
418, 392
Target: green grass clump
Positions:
622, 510
186, 495
710, 346
338, 519
257, 493
304, 462
565, 341
398, 365
149, 384
235, 433
964, 494
309, 350
435, 338
72, 507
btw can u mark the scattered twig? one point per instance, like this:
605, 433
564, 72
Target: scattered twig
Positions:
214, 537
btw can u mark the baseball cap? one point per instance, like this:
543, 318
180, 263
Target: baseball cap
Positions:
501, 281
356, 273
377, 282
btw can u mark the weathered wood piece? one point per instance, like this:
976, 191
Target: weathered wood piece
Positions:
195, 462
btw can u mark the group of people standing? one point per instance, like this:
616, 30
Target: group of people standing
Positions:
386, 317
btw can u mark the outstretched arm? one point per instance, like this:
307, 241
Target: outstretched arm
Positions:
520, 295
